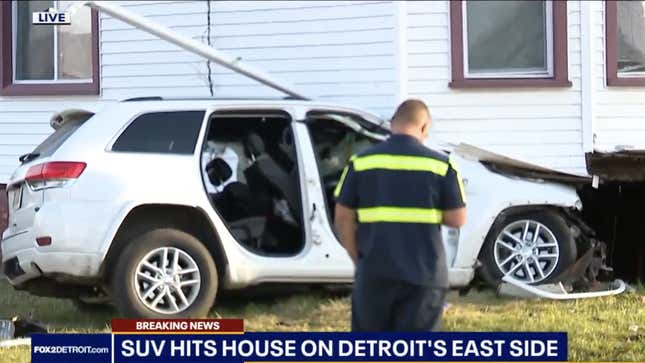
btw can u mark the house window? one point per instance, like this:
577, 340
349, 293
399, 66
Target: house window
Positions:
508, 43
47, 59
625, 43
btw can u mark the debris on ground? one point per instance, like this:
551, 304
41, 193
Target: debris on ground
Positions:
16, 331
515, 288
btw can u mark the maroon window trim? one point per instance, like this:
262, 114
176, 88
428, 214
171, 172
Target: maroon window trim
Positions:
611, 49
560, 62
8, 88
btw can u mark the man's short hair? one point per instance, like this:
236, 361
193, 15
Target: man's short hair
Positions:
408, 111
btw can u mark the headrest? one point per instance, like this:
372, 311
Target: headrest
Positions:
286, 144
218, 171
254, 144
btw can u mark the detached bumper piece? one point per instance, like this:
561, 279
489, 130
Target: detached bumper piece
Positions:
16, 331
583, 276
551, 291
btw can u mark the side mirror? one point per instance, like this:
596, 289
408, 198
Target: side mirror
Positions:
218, 171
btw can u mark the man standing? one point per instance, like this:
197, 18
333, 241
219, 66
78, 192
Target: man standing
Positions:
400, 192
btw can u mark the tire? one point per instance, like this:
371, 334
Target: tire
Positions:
554, 238
196, 278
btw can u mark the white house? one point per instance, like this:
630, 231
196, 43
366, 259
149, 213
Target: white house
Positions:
545, 81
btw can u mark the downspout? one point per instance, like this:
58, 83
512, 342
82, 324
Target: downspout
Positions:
189, 44
587, 76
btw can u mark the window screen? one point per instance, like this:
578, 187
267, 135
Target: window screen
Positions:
162, 132
507, 37
631, 37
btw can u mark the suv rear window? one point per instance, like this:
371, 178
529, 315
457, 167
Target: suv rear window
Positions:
173, 132
55, 140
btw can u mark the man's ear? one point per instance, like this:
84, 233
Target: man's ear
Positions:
424, 128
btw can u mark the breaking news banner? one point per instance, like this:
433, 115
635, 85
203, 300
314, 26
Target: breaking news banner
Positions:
224, 340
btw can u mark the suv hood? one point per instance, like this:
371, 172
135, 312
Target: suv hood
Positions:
509, 166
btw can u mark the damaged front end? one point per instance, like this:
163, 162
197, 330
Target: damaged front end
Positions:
590, 275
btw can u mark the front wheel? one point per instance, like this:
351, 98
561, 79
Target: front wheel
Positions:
532, 247
165, 273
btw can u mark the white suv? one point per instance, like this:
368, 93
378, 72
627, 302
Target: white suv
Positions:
156, 204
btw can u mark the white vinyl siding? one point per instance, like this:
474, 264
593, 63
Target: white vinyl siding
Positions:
354, 53
340, 51
24, 123
333, 50
541, 125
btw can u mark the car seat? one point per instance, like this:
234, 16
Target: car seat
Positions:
242, 211
265, 175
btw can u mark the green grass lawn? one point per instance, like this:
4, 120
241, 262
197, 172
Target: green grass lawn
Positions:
602, 329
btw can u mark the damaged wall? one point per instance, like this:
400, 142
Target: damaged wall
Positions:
614, 210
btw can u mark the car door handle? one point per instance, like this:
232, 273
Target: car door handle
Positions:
313, 212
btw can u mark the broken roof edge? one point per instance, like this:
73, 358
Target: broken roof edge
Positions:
233, 63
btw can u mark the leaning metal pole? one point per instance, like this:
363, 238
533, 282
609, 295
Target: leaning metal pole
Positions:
189, 44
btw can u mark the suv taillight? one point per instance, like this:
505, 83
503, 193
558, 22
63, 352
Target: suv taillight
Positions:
53, 174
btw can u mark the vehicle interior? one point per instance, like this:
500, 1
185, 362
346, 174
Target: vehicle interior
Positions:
336, 137
250, 172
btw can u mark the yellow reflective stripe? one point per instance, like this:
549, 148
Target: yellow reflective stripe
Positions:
460, 182
339, 186
400, 162
399, 215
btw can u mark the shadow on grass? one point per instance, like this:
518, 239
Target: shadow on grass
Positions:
267, 294
283, 301
62, 315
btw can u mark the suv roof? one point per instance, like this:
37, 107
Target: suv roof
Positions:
152, 103
159, 98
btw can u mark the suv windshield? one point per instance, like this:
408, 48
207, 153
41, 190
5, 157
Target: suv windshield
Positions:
55, 140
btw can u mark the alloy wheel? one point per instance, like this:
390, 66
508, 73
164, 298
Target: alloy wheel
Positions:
526, 250
167, 280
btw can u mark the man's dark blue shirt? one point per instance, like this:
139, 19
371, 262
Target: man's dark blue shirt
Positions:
399, 189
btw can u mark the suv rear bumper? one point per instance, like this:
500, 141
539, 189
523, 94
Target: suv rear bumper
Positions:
77, 230
23, 260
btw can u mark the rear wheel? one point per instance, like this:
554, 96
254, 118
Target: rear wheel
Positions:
532, 247
165, 273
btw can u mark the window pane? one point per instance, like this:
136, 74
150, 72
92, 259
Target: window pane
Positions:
506, 36
631, 36
75, 45
58, 138
162, 132
34, 55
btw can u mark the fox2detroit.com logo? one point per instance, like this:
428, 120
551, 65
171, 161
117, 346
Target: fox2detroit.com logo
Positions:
51, 17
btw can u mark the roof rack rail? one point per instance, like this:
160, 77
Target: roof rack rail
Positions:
159, 98
136, 99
